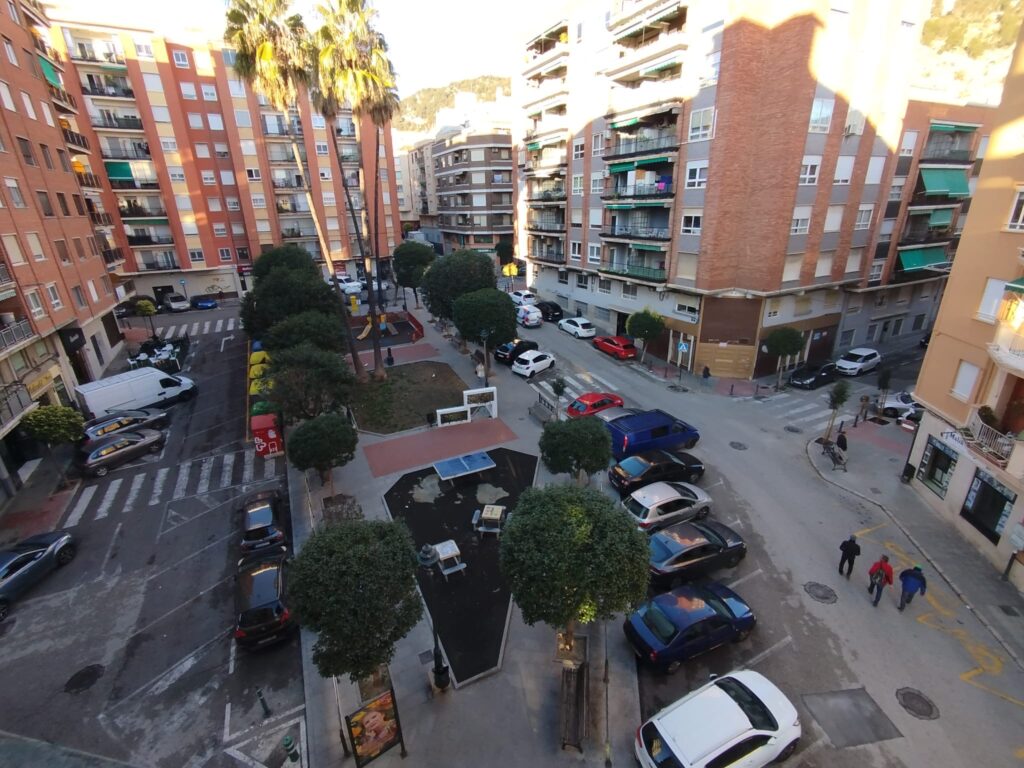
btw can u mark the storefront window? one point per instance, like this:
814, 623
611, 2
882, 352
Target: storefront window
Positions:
937, 464
987, 506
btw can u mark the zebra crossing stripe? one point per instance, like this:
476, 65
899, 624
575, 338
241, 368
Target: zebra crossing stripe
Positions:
231, 324
250, 456
225, 470
179, 487
195, 328
184, 330
133, 492
220, 324
170, 333
204, 476
601, 381
206, 327
802, 408
158, 485
812, 416
269, 469
108, 498
79, 510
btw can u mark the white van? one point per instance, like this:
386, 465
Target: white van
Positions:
529, 316
141, 388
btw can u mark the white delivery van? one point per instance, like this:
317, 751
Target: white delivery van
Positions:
141, 388
529, 316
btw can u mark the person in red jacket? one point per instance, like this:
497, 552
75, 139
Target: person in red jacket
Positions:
881, 576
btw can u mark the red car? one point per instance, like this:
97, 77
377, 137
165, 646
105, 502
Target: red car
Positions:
590, 403
617, 346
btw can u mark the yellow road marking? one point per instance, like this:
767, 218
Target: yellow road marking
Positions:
866, 531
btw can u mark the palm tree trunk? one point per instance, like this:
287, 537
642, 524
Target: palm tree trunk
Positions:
374, 249
831, 423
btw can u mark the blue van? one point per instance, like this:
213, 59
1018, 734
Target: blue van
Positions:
648, 430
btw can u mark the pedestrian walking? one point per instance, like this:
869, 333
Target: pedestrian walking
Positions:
706, 376
480, 372
851, 551
881, 576
841, 446
912, 581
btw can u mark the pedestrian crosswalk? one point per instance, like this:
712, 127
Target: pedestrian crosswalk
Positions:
809, 411
197, 328
575, 385
144, 485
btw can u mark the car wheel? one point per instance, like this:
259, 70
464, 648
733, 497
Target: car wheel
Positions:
742, 635
102, 472
702, 513
695, 477
787, 752
733, 561
5, 608
530, 374
65, 554
576, 334
890, 412
156, 448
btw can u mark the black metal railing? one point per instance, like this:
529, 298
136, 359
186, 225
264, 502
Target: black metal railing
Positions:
105, 58
150, 239
75, 139
87, 179
59, 94
546, 225
346, 133
163, 263
547, 194
658, 189
107, 121
14, 401
120, 153
113, 256
135, 211
282, 131
938, 155
289, 183
110, 91
15, 333
101, 219
135, 184
639, 271
36, 7
291, 208
292, 233
643, 146
550, 256
5, 273
350, 157
285, 157
638, 233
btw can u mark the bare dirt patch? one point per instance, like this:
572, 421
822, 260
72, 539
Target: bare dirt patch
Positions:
406, 397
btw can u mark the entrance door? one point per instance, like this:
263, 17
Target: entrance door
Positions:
620, 323
159, 291
884, 331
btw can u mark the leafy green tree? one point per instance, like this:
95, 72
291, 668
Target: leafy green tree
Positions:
579, 447
486, 317
884, 381
318, 328
146, 308
570, 555
287, 256
783, 342
646, 325
308, 381
54, 425
323, 443
354, 584
505, 250
283, 293
452, 276
837, 397
411, 260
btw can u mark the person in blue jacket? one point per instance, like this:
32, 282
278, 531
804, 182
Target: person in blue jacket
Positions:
912, 581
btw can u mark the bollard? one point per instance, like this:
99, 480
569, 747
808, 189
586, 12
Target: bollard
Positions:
856, 418
290, 749
730, 389
263, 702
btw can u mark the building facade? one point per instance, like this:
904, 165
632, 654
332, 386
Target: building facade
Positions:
968, 455
737, 168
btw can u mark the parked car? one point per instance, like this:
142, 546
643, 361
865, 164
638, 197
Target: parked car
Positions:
348, 284
813, 376
611, 414
635, 472
676, 626
123, 421
910, 418
175, 302
531, 362
100, 456
30, 561
578, 327
660, 504
649, 430
384, 284
896, 403
261, 526
617, 346
549, 310
685, 551
261, 599
590, 403
523, 297
528, 316
740, 719
129, 307
203, 302
509, 351
858, 361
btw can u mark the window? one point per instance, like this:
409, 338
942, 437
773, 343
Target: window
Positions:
14, 191
153, 83
221, 150
575, 250
202, 150
334, 225
864, 217
232, 203
702, 124
821, 115
325, 174
13, 248
577, 184
844, 169
47, 114
12, 9
321, 148
801, 220
697, 174
318, 121
966, 376
809, 169
582, 280
44, 202
628, 291
79, 248
169, 144
854, 259
27, 101
259, 201
237, 228
576, 217
253, 174
578, 149
874, 172
596, 218
176, 172
5, 97
180, 59
823, 268
877, 267
988, 505
188, 91
242, 254
62, 201
12, 55
908, 143
1017, 212
593, 253
791, 268
213, 203
209, 178
991, 299
597, 144
76, 292
143, 50
236, 88
248, 147
597, 183
209, 92
54, 296
329, 198
224, 254
896, 190
604, 286
195, 120
692, 218
25, 147
62, 251
195, 254
64, 163
34, 304
563, 277
834, 218
220, 230
35, 246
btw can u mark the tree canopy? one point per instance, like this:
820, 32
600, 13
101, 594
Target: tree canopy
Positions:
452, 276
410, 260
569, 554
322, 443
489, 311
309, 381
355, 585
288, 256
317, 328
837, 397
646, 325
54, 424
505, 251
783, 342
579, 447
284, 292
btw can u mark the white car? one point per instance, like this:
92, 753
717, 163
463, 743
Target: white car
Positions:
523, 297
898, 403
175, 302
858, 361
579, 327
659, 504
739, 719
384, 285
532, 361
349, 284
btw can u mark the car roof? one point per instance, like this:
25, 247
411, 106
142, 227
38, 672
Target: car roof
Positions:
615, 413
258, 514
681, 537
530, 354
655, 493
685, 605
862, 351
114, 416
591, 397
647, 419
259, 580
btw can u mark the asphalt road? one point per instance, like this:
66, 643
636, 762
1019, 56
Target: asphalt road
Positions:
127, 652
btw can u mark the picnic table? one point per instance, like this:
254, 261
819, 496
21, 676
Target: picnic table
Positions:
460, 466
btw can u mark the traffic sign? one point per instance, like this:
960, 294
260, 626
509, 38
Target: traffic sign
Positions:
683, 346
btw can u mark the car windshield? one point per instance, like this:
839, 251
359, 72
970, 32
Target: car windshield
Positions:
578, 406
636, 509
710, 535
684, 492
757, 713
657, 748
655, 620
255, 617
659, 550
852, 358
634, 466
584, 324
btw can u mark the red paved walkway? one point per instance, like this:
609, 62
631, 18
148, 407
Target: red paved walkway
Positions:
409, 354
432, 445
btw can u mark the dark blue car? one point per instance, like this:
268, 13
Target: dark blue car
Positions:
686, 622
203, 302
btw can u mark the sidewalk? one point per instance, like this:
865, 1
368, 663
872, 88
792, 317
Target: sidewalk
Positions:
876, 458
38, 506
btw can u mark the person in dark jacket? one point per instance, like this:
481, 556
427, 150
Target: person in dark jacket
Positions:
881, 576
912, 581
851, 550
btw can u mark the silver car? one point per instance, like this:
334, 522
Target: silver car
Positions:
29, 562
659, 504
100, 456
122, 421
175, 302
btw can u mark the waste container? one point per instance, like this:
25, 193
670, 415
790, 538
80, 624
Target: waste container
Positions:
908, 473
266, 435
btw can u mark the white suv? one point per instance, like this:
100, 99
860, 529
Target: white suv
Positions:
349, 284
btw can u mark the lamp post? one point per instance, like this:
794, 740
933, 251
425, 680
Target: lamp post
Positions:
427, 558
483, 335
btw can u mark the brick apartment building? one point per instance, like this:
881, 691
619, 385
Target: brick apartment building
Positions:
741, 167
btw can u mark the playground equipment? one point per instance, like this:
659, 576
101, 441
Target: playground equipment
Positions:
385, 327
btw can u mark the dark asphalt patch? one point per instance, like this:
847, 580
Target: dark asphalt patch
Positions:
850, 718
84, 679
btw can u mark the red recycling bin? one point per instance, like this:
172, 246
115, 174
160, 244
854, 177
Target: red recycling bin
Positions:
267, 435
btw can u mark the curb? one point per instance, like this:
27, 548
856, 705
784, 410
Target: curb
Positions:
924, 553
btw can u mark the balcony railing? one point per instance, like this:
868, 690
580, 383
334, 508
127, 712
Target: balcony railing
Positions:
5, 274
660, 189
296, 233
280, 131
165, 262
150, 239
15, 333
109, 91
126, 123
639, 271
289, 183
285, 157
135, 184
113, 256
88, 179
547, 194
549, 255
120, 153
61, 96
987, 441
14, 401
106, 58
546, 225
350, 157
286, 208
638, 233
141, 212
546, 161
641, 147
940, 155
101, 219
75, 139
347, 133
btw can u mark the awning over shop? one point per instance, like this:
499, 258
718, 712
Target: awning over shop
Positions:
945, 181
620, 167
941, 217
48, 72
652, 161
919, 258
1016, 286
947, 128
118, 170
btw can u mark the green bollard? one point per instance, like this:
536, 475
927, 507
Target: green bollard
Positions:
291, 749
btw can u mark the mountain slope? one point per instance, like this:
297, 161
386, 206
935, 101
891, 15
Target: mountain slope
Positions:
418, 111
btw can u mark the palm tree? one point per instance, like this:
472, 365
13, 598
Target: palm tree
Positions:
271, 47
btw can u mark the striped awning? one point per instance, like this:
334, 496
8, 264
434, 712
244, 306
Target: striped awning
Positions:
626, 123
620, 167
652, 161
949, 128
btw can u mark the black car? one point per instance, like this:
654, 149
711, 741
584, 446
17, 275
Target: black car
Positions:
508, 352
261, 611
120, 421
688, 550
549, 310
129, 307
261, 527
649, 467
813, 376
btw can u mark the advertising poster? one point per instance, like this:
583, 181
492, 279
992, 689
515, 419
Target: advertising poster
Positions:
374, 728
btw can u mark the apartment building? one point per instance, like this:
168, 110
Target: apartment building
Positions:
968, 454
474, 187
737, 168
57, 326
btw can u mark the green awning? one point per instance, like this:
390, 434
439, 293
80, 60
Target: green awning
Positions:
653, 204
620, 167
157, 220
941, 217
626, 123
652, 161
945, 181
48, 72
533, 147
646, 247
919, 258
659, 67
947, 128
619, 207
1016, 286
118, 170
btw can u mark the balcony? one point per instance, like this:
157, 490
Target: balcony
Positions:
553, 193
88, 56
15, 401
35, 9
555, 57
282, 131
654, 54
101, 219
285, 158
658, 189
108, 91
638, 271
160, 262
89, 180
545, 95
124, 153
75, 141
63, 100
546, 225
350, 157
15, 333
548, 255
116, 122
144, 240
135, 211
638, 233
141, 184
645, 93
348, 132
113, 257
642, 147
547, 160
287, 184
988, 442
291, 209
6, 279
292, 233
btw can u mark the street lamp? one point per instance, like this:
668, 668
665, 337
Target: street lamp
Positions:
427, 558
483, 336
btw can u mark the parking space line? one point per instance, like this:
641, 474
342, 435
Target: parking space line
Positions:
143, 629
183, 473
231, 324
741, 579
79, 510
195, 553
269, 469
204, 476
250, 456
108, 498
220, 324
158, 485
769, 651
227, 716
133, 492
231, 659
225, 469
110, 549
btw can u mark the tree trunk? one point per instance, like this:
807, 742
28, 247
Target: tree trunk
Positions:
375, 231
569, 636
778, 370
581, 476
831, 423
416, 295
643, 350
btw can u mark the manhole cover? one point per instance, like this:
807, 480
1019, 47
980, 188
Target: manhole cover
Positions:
820, 592
1009, 610
879, 420
426, 657
84, 679
738, 446
794, 430
917, 704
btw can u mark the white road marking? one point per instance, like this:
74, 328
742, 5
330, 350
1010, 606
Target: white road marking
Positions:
741, 579
818, 415
224, 341
231, 324
204, 476
195, 553
226, 468
802, 408
108, 498
570, 381
79, 510
599, 380
250, 456
769, 651
195, 328
231, 659
179, 487
269, 469
110, 549
206, 327
133, 492
170, 333
158, 485
227, 706
220, 324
